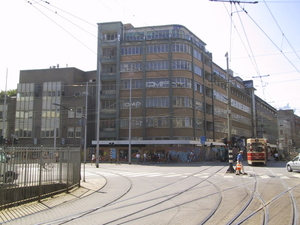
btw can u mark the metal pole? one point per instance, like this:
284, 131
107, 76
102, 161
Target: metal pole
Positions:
85, 129
4, 109
129, 127
98, 113
55, 121
230, 154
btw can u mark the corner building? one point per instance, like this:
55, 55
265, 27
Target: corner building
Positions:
160, 92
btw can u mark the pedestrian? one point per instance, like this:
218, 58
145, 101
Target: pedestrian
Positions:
93, 159
145, 157
276, 157
138, 156
168, 157
240, 164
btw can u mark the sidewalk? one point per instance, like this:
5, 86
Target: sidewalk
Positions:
89, 187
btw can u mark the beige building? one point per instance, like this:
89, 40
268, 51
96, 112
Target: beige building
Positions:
161, 91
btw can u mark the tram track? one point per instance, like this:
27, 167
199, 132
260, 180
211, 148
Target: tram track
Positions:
198, 190
288, 190
111, 203
254, 195
223, 204
169, 198
73, 217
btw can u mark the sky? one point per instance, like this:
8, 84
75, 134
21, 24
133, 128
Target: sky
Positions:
262, 39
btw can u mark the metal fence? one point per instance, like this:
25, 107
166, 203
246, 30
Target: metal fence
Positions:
32, 173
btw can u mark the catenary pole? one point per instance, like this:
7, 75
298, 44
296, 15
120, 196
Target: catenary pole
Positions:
229, 124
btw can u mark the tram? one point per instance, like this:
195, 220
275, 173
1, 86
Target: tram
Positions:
257, 151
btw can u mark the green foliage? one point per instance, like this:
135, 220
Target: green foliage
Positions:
9, 93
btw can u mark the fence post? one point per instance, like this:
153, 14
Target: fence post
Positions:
68, 172
40, 175
60, 158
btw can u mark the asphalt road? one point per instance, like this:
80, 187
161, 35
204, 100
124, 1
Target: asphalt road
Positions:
195, 193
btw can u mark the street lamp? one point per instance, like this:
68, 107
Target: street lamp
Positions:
129, 127
85, 126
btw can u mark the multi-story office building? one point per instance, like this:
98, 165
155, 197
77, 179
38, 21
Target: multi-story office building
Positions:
266, 125
51, 105
162, 91
289, 130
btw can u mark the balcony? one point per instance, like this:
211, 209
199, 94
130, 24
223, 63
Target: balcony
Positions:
108, 113
108, 76
108, 94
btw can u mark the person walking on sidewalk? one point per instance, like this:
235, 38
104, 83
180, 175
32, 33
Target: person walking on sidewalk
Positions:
138, 156
239, 162
93, 159
276, 157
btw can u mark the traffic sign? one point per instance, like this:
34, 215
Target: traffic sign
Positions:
113, 153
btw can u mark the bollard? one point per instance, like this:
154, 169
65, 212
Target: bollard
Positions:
230, 159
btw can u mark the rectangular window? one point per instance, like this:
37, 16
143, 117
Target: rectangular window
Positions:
133, 36
78, 132
109, 69
131, 66
109, 53
78, 112
157, 65
131, 50
71, 113
110, 36
70, 132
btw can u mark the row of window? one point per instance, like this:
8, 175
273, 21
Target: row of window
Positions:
158, 83
172, 32
161, 122
176, 64
159, 102
236, 117
159, 48
234, 103
23, 133
73, 132
222, 128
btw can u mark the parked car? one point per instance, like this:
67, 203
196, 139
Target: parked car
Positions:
293, 164
8, 171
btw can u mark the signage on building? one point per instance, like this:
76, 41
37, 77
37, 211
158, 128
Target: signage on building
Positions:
136, 104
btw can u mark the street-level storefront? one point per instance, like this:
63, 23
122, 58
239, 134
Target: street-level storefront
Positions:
119, 152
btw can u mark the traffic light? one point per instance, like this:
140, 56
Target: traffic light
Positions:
224, 140
233, 141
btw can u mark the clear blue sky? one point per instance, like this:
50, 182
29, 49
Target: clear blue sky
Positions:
263, 41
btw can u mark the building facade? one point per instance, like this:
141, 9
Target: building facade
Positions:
160, 90
266, 121
51, 105
289, 131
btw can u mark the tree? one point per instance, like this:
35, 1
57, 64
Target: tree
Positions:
9, 93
